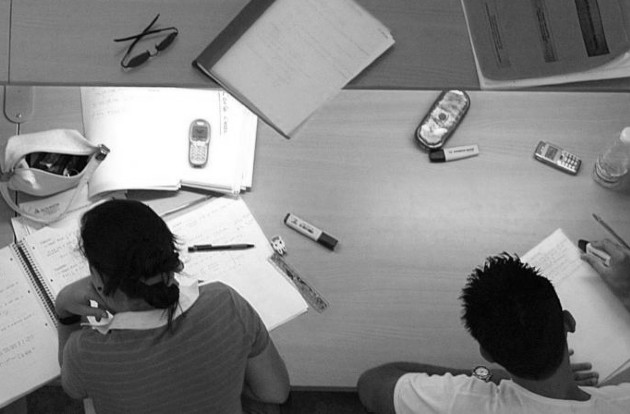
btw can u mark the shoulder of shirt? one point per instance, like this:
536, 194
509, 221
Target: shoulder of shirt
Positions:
217, 291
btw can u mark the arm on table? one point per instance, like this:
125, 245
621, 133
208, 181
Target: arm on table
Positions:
376, 386
266, 377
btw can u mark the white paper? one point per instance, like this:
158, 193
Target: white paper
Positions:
147, 132
298, 55
227, 221
602, 334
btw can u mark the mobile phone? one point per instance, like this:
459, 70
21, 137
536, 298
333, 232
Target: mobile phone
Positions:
556, 157
198, 142
440, 122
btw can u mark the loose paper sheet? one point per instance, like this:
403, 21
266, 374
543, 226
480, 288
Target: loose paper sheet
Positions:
298, 55
602, 334
226, 220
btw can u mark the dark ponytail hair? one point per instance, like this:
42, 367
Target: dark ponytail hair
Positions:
131, 247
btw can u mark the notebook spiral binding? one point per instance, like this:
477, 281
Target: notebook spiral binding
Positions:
25, 258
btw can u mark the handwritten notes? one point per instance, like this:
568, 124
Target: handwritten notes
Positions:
28, 340
298, 54
602, 334
224, 221
57, 255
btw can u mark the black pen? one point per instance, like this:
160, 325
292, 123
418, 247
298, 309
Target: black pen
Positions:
211, 247
611, 231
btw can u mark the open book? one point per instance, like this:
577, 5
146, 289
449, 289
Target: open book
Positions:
602, 334
147, 131
524, 43
35, 269
283, 59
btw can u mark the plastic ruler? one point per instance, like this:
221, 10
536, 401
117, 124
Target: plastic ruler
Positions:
309, 293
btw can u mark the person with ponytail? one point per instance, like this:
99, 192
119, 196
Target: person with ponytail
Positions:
156, 341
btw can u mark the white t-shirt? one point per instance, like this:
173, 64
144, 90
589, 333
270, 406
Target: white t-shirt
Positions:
420, 393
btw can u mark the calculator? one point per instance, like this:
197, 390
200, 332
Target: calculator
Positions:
556, 157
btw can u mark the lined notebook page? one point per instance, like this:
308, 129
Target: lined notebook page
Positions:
228, 221
28, 340
57, 256
602, 334
299, 54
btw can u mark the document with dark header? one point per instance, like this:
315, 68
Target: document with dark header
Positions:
523, 43
283, 59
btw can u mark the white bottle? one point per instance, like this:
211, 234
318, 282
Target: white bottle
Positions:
612, 165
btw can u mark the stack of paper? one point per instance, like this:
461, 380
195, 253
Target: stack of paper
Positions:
523, 43
147, 131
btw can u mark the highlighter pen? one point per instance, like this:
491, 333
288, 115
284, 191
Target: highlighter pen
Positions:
587, 247
454, 153
310, 231
215, 247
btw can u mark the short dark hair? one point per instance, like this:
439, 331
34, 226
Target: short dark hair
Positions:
515, 315
128, 243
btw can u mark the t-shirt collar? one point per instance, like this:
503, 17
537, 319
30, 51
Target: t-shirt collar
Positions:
155, 318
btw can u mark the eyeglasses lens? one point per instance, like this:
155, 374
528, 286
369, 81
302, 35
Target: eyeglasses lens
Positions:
166, 42
138, 60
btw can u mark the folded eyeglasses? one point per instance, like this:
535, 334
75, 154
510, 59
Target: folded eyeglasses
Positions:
137, 60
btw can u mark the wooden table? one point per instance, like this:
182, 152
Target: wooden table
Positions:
7, 129
410, 231
5, 29
70, 42
432, 48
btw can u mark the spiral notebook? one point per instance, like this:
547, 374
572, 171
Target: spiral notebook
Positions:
34, 270
28, 331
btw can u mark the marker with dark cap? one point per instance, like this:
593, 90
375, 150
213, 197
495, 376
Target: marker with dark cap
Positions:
310, 231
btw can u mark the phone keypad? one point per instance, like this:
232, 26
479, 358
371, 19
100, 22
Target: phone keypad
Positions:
569, 161
198, 154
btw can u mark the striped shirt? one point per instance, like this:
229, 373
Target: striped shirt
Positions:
199, 367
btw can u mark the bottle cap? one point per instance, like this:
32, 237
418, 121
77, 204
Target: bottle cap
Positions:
625, 135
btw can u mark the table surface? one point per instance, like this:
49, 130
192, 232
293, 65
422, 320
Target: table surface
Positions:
5, 28
432, 49
410, 231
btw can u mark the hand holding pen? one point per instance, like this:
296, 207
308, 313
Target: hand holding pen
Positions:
617, 273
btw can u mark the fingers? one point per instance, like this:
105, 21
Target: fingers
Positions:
581, 366
582, 373
589, 378
595, 263
91, 311
616, 251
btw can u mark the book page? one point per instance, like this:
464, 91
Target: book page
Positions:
28, 339
226, 221
147, 130
298, 55
528, 39
602, 334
